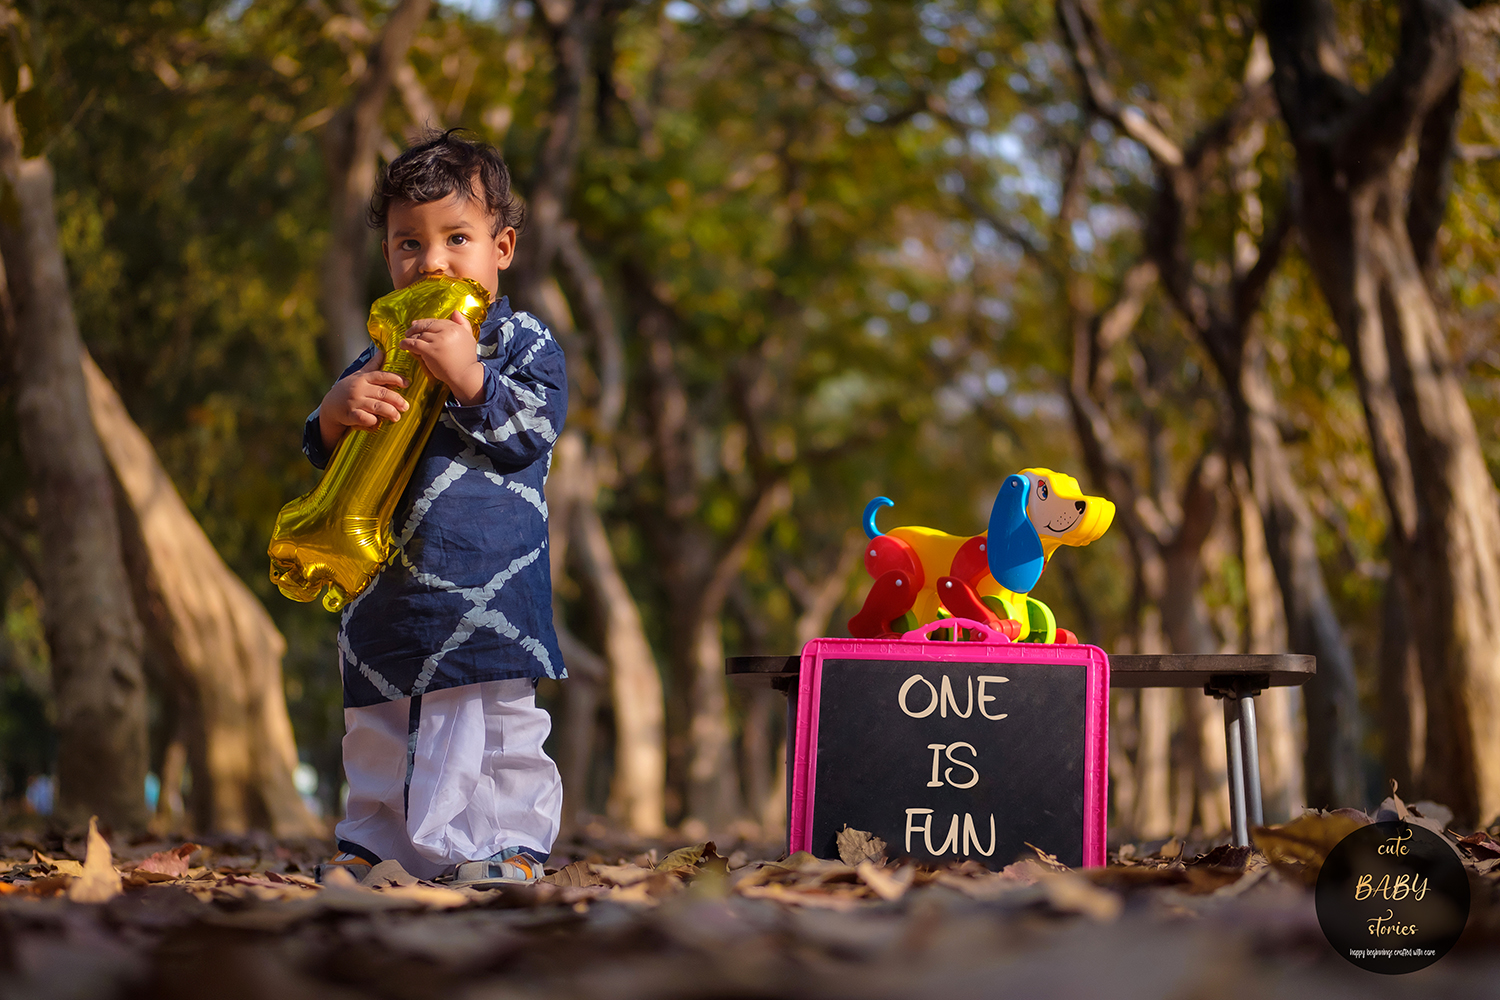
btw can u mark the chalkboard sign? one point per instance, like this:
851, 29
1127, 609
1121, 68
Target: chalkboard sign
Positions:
952, 750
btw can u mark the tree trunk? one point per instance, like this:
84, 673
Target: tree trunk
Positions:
1153, 765
637, 794
350, 142
1281, 770
1403, 703
1358, 198
1223, 319
220, 649
92, 630
576, 740
570, 26
1202, 779
1124, 742
1333, 774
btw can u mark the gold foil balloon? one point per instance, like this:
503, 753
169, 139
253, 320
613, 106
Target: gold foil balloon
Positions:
339, 535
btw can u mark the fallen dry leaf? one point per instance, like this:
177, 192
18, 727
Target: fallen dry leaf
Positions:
856, 846
888, 885
986, 887
579, 874
100, 881
685, 857
634, 895
1169, 851
1070, 892
824, 899
173, 863
621, 875
1299, 847
1048, 860
1027, 871
1224, 856
1481, 846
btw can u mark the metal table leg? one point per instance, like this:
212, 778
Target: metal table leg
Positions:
1234, 744
1251, 742
1243, 745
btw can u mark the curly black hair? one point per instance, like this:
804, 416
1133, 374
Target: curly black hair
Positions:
443, 163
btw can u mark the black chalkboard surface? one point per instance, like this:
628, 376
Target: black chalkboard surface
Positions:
952, 750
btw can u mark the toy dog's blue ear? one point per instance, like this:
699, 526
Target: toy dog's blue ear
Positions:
1014, 548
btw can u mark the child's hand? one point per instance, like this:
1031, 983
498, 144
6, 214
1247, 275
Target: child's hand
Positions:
446, 347
362, 399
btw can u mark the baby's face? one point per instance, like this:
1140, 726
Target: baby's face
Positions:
450, 238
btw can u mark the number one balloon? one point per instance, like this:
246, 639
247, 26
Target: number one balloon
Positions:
339, 535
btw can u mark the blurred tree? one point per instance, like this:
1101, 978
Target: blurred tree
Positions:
1370, 220
1222, 312
213, 640
213, 653
351, 139
92, 629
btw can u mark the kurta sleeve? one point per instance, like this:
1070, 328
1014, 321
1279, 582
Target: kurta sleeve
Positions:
312, 434
525, 397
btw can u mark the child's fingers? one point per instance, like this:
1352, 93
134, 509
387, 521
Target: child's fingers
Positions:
385, 404
421, 345
375, 362
425, 325
386, 378
359, 418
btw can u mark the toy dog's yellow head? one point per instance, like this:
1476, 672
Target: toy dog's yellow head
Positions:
1061, 513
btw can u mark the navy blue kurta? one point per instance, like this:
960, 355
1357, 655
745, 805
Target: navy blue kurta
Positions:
466, 595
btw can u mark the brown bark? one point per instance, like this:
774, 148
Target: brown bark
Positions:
587, 676
1356, 195
637, 793
350, 142
1223, 319
638, 790
1403, 703
1141, 514
698, 571
1202, 768
93, 633
1278, 709
218, 647
570, 26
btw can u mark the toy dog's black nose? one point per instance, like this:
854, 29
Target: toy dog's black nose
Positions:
1080, 505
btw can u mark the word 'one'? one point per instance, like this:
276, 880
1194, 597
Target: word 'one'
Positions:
940, 702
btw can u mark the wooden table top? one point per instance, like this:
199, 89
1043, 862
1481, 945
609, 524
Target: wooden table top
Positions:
1185, 670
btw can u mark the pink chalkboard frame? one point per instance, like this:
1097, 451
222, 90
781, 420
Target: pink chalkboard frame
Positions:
993, 648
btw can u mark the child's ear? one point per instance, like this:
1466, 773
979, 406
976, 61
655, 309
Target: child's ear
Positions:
385, 253
505, 246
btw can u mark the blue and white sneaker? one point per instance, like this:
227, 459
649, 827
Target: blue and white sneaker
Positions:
511, 866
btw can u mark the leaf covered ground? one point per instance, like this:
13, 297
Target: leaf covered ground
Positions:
244, 919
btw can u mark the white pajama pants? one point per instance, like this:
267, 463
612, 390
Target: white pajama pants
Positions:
459, 779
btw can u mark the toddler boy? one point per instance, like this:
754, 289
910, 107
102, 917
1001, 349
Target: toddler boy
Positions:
441, 653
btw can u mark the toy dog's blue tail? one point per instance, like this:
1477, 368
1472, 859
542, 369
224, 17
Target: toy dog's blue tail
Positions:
870, 509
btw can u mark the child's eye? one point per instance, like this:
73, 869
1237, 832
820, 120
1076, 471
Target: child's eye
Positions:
458, 239
409, 245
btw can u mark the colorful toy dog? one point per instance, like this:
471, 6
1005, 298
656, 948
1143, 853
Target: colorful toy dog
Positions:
988, 576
